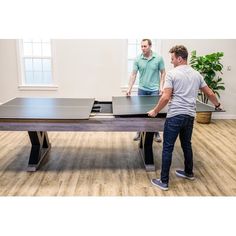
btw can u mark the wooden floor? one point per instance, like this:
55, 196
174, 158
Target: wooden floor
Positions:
108, 164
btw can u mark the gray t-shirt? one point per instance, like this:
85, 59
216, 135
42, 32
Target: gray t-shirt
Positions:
185, 82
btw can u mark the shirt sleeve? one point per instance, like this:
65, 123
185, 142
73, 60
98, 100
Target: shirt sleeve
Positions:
161, 64
135, 66
202, 82
168, 81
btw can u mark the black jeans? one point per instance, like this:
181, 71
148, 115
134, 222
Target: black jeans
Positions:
181, 125
148, 93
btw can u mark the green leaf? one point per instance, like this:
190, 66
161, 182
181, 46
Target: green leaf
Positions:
209, 66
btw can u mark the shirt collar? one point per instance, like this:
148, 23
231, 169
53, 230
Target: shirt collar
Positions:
153, 55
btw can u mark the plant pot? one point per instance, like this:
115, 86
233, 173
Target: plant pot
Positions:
204, 117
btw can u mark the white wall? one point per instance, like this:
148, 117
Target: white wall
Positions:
97, 67
82, 68
89, 68
8, 70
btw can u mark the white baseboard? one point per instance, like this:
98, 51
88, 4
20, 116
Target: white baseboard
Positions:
217, 116
38, 88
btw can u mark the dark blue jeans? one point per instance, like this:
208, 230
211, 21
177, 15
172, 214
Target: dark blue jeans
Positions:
181, 125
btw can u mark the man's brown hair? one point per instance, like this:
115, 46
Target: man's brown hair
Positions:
149, 41
180, 51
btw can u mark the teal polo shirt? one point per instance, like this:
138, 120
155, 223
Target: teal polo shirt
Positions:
149, 71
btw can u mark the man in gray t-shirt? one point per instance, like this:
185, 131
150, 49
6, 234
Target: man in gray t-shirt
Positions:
180, 90
185, 83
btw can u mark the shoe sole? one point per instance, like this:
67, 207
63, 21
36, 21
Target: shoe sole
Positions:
184, 176
158, 140
163, 188
136, 139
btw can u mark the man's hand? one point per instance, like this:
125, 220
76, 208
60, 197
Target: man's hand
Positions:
161, 92
219, 108
128, 92
152, 113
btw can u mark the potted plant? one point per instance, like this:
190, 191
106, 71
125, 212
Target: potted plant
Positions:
210, 67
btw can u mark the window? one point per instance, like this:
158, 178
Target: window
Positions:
35, 63
134, 49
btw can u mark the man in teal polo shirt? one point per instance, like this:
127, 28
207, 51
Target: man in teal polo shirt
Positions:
151, 70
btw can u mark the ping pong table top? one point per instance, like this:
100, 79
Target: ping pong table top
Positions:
135, 105
47, 108
78, 108
140, 105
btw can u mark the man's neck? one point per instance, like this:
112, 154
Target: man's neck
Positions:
148, 55
183, 63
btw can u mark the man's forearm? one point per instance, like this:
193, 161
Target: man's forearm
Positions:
212, 97
161, 104
164, 99
131, 83
162, 83
210, 94
162, 80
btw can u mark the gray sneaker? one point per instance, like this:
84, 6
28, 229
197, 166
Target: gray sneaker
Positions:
182, 174
157, 138
137, 136
159, 184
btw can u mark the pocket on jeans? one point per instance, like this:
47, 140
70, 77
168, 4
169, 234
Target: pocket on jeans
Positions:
175, 121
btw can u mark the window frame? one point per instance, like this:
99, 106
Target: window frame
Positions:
21, 70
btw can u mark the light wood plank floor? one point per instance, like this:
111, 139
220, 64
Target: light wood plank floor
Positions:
108, 164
